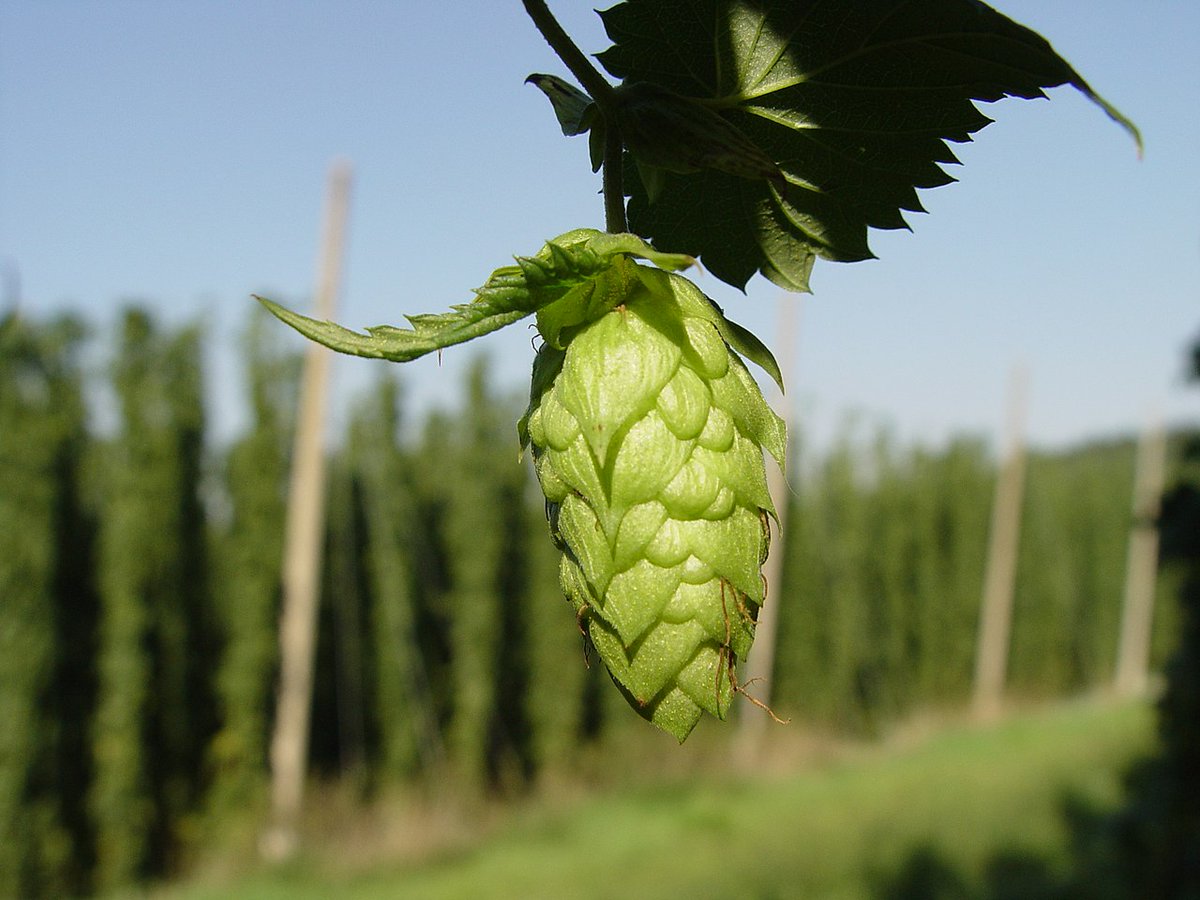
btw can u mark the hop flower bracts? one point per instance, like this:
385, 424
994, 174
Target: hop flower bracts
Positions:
647, 434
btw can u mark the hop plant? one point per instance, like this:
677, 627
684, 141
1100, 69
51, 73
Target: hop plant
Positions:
647, 433
763, 135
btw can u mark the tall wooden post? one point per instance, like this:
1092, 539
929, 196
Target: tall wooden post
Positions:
760, 664
995, 620
302, 547
1137, 615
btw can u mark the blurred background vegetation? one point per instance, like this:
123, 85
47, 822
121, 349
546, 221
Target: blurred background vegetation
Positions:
139, 590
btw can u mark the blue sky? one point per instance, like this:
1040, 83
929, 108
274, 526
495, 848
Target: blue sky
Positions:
175, 154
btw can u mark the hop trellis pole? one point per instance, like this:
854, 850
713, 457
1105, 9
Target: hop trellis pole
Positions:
302, 548
1133, 652
995, 620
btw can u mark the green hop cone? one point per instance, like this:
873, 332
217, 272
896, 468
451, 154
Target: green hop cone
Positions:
647, 433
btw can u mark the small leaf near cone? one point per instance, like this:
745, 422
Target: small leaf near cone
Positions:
573, 108
566, 268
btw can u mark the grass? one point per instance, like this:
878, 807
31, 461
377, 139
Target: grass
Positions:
952, 806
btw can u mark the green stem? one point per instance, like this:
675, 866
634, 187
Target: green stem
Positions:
593, 82
606, 102
614, 190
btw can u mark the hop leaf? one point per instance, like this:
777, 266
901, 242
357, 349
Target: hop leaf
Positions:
665, 132
853, 102
648, 434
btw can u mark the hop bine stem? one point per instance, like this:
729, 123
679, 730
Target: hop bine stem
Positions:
606, 102
614, 190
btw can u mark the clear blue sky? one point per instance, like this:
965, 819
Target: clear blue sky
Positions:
175, 153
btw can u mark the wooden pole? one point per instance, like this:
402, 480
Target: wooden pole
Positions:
1137, 614
995, 620
760, 664
302, 548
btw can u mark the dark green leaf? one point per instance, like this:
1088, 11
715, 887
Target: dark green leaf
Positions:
666, 131
854, 101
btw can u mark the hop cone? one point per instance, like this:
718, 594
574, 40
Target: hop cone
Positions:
647, 434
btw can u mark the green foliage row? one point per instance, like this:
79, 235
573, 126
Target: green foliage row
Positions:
882, 581
139, 586
48, 611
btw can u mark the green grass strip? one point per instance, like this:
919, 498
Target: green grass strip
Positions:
961, 802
